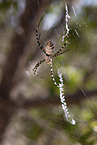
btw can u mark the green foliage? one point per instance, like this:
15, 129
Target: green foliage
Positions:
5, 5
34, 131
7, 9
51, 120
73, 78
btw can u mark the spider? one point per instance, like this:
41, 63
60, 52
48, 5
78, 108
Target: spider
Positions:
48, 50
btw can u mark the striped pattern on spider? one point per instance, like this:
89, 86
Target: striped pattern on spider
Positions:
48, 50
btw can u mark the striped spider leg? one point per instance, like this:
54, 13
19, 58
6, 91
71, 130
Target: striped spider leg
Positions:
37, 65
59, 52
52, 74
38, 36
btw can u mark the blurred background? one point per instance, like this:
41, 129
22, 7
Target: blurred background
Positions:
30, 108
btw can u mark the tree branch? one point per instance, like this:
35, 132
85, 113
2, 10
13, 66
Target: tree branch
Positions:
71, 99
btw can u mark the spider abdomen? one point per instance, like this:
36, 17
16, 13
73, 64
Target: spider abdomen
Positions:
49, 48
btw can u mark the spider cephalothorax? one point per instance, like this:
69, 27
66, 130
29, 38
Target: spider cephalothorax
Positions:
48, 50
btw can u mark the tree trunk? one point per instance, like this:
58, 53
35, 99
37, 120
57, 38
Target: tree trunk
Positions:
19, 41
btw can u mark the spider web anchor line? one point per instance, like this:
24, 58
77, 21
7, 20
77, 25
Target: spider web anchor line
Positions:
74, 11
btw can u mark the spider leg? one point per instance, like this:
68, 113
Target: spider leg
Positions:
37, 65
52, 74
59, 53
38, 36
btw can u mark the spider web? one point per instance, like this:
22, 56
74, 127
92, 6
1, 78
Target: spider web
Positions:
62, 97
